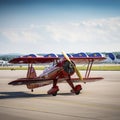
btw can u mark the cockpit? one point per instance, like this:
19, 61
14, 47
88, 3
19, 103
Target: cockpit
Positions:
51, 65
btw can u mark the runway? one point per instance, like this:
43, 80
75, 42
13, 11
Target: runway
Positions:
98, 100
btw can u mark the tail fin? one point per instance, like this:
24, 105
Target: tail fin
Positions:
31, 72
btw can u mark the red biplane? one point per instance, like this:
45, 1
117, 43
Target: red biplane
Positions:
61, 70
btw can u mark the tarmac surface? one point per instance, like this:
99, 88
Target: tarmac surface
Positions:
98, 100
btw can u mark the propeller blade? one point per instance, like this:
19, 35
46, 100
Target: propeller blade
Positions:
78, 73
66, 56
76, 70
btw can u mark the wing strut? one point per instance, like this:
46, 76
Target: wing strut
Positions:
31, 73
89, 66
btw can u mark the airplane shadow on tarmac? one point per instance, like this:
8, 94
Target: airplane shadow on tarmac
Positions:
12, 95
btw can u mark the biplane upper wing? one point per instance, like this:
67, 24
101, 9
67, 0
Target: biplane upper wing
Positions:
87, 59
35, 60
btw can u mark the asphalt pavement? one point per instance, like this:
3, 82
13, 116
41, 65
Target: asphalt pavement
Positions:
98, 100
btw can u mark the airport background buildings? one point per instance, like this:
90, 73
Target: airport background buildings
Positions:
111, 57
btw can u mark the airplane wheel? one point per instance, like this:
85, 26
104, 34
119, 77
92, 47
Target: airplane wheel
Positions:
54, 94
77, 93
77, 90
53, 91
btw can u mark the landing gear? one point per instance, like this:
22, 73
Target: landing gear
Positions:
31, 90
77, 89
53, 91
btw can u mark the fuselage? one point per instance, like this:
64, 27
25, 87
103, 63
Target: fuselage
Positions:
58, 70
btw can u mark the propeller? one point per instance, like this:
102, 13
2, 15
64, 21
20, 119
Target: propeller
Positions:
76, 70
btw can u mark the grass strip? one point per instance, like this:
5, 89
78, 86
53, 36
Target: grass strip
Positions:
101, 68
95, 68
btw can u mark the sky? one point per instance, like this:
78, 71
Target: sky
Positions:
52, 26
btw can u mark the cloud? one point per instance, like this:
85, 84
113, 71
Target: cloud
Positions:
87, 31
26, 36
93, 34
91, 30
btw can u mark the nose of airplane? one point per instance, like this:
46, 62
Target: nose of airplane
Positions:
68, 67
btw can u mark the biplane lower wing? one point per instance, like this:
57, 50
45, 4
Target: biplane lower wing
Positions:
25, 81
43, 82
90, 79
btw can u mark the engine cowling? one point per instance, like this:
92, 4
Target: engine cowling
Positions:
68, 67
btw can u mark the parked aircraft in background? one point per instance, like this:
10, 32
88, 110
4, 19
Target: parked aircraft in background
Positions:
4, 63
112, 58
